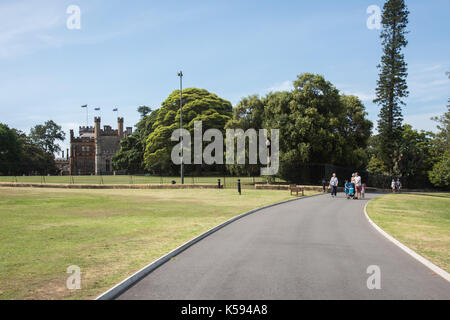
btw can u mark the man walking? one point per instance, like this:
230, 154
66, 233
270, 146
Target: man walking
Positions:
334, 184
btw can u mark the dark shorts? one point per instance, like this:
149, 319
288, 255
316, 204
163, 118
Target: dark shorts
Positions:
359, 188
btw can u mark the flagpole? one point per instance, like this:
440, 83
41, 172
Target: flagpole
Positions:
87, 114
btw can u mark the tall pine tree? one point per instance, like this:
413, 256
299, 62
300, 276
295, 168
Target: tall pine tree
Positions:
391, 85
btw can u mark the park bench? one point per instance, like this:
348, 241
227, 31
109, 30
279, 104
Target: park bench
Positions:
294, 188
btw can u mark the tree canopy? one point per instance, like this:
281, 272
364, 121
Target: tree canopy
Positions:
198, 105
47, 136
391, 85
317, 124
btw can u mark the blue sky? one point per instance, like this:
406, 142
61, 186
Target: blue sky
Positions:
128, 53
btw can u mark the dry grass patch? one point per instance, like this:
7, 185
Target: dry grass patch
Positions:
109, 234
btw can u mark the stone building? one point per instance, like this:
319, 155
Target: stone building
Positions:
93, 150
82, 152
63, 164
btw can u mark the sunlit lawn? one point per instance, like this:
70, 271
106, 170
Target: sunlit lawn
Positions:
132, 179
109, 234
420, 221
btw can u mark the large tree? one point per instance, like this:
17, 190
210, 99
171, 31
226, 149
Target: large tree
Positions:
317, 125
10, 150
34, 159
130, 156
440, 174
391, 85
47, 136
198, 105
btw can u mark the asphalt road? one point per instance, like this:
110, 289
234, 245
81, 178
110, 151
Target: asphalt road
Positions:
314, 248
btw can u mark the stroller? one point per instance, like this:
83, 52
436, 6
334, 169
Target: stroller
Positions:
350, 190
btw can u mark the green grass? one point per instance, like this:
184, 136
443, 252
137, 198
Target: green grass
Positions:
419, 221
229, 182
109, 234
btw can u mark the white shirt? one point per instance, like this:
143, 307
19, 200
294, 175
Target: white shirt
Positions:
358, 181
334, 181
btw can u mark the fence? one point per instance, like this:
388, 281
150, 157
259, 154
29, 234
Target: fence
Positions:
225, 181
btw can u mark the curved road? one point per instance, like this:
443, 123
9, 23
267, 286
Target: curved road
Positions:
313, 248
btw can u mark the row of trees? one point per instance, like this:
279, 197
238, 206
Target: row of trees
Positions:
317, 124
29, 154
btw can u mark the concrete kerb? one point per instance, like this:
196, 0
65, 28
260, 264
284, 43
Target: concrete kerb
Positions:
133, 279
412, 253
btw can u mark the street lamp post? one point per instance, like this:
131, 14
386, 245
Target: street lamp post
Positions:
180, 74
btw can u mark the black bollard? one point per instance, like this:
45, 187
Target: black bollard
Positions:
239, 186
218, 183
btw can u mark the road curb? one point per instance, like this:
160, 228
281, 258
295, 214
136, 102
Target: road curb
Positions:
444, 274
136, 277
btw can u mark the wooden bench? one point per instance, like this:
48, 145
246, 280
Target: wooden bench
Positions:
294, 188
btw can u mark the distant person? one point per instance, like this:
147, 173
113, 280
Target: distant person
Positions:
398, 185
393, 185
358, 185
334, 184
324, 185
363, 191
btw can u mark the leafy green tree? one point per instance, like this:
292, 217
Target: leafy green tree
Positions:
391, 85
10, 150
440, 173
375, 165
248, 114
414, 157
130, 156
144, 110
47, 135
317, 125
198, 105
33, 158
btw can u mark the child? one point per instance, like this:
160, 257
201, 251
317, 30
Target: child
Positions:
363, 190
349, 190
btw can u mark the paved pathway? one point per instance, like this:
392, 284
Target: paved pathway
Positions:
314, 248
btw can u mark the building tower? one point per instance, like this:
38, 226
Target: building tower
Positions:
120, 128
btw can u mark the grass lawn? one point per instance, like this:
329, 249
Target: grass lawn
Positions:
229, 182
419, 221
109, 234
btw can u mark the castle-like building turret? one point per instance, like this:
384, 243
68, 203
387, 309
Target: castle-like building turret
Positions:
92, 152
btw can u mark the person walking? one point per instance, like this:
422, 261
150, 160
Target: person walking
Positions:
334, 184
398, 185
324, 185
393, 185
358, 185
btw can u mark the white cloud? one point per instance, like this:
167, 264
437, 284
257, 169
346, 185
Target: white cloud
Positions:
25, 26
363, 96
428, 83
422, 121
283, 86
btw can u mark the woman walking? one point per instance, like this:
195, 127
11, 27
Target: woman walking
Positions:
334, 184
